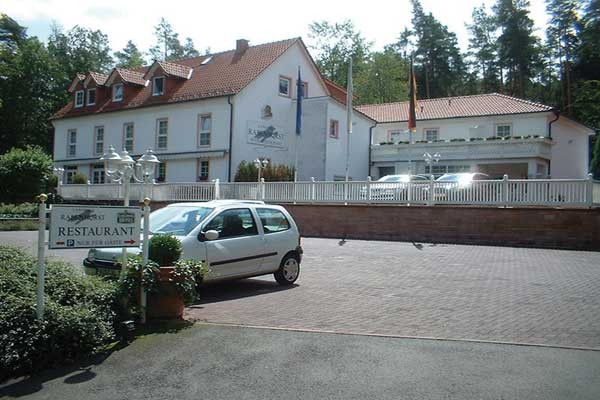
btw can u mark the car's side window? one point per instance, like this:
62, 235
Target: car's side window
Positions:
272, 220
233, 223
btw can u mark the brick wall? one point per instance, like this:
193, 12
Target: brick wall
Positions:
531, 227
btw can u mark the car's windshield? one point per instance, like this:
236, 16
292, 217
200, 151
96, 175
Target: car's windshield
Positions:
455, 178
178, 221
394, 178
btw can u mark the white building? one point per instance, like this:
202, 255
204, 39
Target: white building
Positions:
203, 116
490, 133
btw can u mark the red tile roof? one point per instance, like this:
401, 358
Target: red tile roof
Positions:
99, 78
131, 76
453, 107
227, 73
173, 69
337, 92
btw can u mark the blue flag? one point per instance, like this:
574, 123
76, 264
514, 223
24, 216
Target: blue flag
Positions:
300, 96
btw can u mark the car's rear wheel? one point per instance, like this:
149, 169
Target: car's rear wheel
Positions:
288, 271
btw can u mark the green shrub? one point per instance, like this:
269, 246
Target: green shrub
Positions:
24, 174
79, 315
23, 210
164, 250
80, 179
247, 172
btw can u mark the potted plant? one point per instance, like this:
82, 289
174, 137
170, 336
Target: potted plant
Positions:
169, 281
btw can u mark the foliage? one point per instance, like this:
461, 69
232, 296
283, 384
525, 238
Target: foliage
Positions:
78, 319
22, 210
30, 89
168, 47
129, 57
385, 79
80, 178
484, 50
439, 64
334, 44
189, 50
164, 249
24, 173
248, 172
595, 164
588, 53
187, 275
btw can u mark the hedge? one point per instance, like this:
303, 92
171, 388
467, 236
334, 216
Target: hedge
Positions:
79, 317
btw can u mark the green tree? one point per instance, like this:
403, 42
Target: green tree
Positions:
79, 50
563, 40
30, 90
518, 46
129, 57
24, 173
483, 50
189, 51
439, 63
334, 44
385, 79
168, 47
588, 54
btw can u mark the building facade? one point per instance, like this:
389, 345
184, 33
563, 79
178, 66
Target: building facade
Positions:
204, 116
491, 133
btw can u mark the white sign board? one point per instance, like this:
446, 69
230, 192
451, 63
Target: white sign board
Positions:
80, 226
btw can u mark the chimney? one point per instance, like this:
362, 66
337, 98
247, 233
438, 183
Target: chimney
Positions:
241, 45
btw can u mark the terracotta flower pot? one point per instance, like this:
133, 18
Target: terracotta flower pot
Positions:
165, 303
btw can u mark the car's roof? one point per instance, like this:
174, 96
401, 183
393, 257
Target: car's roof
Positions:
217, 203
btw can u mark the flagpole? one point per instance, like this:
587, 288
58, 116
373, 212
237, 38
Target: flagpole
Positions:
299, 96
348, 118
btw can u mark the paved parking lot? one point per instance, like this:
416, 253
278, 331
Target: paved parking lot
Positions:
486, 293
504, 294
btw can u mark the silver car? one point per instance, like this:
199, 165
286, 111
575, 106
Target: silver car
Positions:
237, 239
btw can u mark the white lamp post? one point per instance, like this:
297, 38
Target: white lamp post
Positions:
430, 159
260, 164
59, 172
122, 168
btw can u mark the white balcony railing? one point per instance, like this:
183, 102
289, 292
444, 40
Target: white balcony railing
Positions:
466, 150
505, 192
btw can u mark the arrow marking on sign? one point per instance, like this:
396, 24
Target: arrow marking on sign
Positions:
130, 241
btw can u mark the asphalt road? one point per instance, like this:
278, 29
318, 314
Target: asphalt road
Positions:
220, 362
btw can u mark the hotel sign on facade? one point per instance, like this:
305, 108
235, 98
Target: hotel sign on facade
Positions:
84, 227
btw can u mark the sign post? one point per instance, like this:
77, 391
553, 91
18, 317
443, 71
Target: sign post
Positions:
41, 272
145, 253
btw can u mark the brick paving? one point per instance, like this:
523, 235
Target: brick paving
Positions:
505, 294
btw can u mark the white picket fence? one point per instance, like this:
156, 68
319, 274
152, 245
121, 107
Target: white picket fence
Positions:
506, 192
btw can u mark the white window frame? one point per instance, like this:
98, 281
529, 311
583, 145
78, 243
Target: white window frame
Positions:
91, 103
205, 132
426, 132
289, 91
70, 171
159, 135
125, 138
97, 171
115, 98
154, 92
199, 169
96, 141
336, 133
162, 165
71, 143
79, 103
497, 126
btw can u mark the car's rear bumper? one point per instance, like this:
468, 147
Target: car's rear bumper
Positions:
300, 252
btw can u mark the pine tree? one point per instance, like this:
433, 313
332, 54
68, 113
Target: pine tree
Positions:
484, 50
588, 54
563, 40
129, 57
189, 50
519, 48
168, 47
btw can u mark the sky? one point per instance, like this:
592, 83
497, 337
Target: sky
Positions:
217, 24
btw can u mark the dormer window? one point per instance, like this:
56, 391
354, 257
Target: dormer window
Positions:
117, 92
91, 97
158, 86
79, 98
